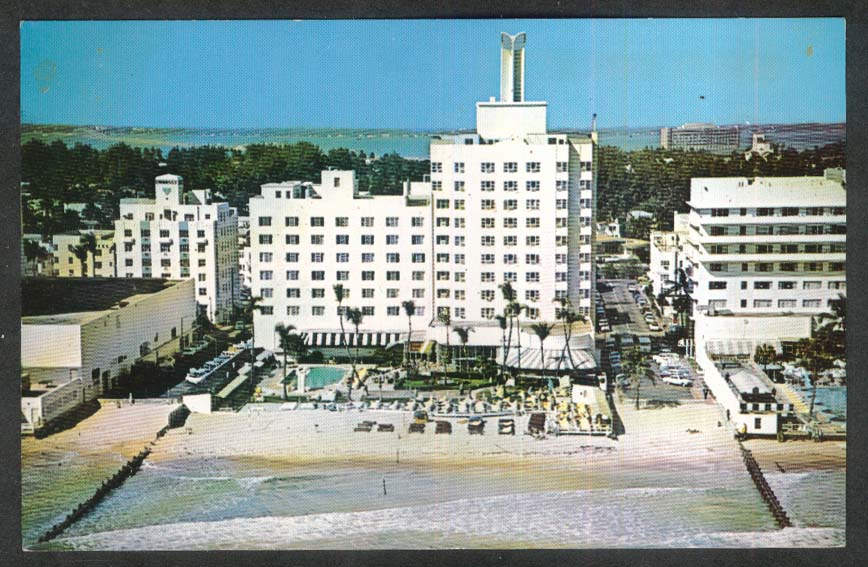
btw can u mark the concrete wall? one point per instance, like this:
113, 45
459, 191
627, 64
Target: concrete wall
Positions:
50, 346
42, 409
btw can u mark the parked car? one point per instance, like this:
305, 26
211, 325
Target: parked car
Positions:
678, 381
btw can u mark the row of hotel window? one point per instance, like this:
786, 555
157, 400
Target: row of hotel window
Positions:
768, 303
344, 221
508, 186
391, 311
781, 267
419, 258
368, 239
370, 275
835, 247
776, 212
508, 166
418, 293
509, 204
781, 230
781, 285
170, 215
164, 233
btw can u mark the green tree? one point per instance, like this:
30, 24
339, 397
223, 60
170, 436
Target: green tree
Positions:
501, 322
636, 368
445, 319
88, 242
510, 300
355, 317
340, 295
284, 335
463, 335
542, 332
80, 252
409, 310
568, 318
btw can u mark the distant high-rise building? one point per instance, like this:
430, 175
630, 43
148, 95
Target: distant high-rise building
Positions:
699, 136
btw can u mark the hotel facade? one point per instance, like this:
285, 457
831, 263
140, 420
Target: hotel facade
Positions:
182, 235
510, 202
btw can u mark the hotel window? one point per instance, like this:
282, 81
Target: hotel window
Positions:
560, 277
510, 240
291, 257
392, 293
560, 258
418, 258
393, 258
391, 222
487, 258
459, 241
342, 221
367, 276
509, 186
561, 185
761, 285
487, 186
459, 313
317, 310
586, 166
811, 303
417, 222
442, 258
393, 310
367, 222
510, 277
717, 304
459, 204
562, 293
532, 313
561, 204
317, 257
790, 212
459, 259
765, 212
532, 204
531, 277
459, 295
264, 309
562, 167
442, 293
487, 222
442, 203
265, 256
764, 267
532, 185
561, 222
561, 240
165, 263
510, 205
532, 241
367, 240
487, 241
788, 267
436, 167
342, 258
263, 221
510, 259
487, 204
487, 312
317, 239
584, 239
292, 239
442, 276
532, 222
718, 285
342, 239
532, 167
293, 310
367, 293
487, 295
292, 275
459, 222
459, 186
720, 212
531, 295
487, 167
510, 167
419, 293
265, 239
293, 292
265, 275
391, 239
510, 222
317, 221
459, 167
418, 276
367, 257
487, 277
442, 222
291, 221
317, 275
442, 240
393, 276
786, 303
531, 259
716, 267
836, 266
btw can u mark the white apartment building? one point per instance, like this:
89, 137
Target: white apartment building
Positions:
99, 263
305, 238
179, 235
509, 202
244, 255
667, 253
767, 245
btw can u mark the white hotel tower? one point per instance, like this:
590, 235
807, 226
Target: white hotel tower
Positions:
180, 235
510, 202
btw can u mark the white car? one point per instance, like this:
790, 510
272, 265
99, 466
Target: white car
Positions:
653, 327
678, 381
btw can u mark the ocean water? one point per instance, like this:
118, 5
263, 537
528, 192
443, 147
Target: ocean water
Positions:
245, 504
831, 401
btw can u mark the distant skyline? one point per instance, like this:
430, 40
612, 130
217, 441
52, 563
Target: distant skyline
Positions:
428, 74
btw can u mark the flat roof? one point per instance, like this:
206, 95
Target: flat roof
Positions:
739, 192
71, 299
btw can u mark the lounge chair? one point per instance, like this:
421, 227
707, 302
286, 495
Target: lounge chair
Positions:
385, 427
417, 428
443, 427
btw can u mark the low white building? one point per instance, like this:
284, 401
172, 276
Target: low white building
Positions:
667, 254
98, 263
79, 335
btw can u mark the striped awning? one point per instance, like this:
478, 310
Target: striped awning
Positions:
530, 359
739, 347
332, 339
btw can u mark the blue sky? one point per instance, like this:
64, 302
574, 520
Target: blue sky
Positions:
428, 74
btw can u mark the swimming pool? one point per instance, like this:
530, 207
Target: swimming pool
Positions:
320, 376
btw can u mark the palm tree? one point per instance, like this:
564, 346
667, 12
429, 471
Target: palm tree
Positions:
509, 297
340, 295
410, 310
835, 326
88, 241
284, 332
542, 331
814, 353
33, 252
765, 354
501, 321
517, 308
444, 317
636, 368
567, 317
80, 252
355, 317
464, 335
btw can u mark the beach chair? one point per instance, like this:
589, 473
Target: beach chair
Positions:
385, 427
476, 426
417, 428
506, 426
443, 427
364, 427
536, 425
